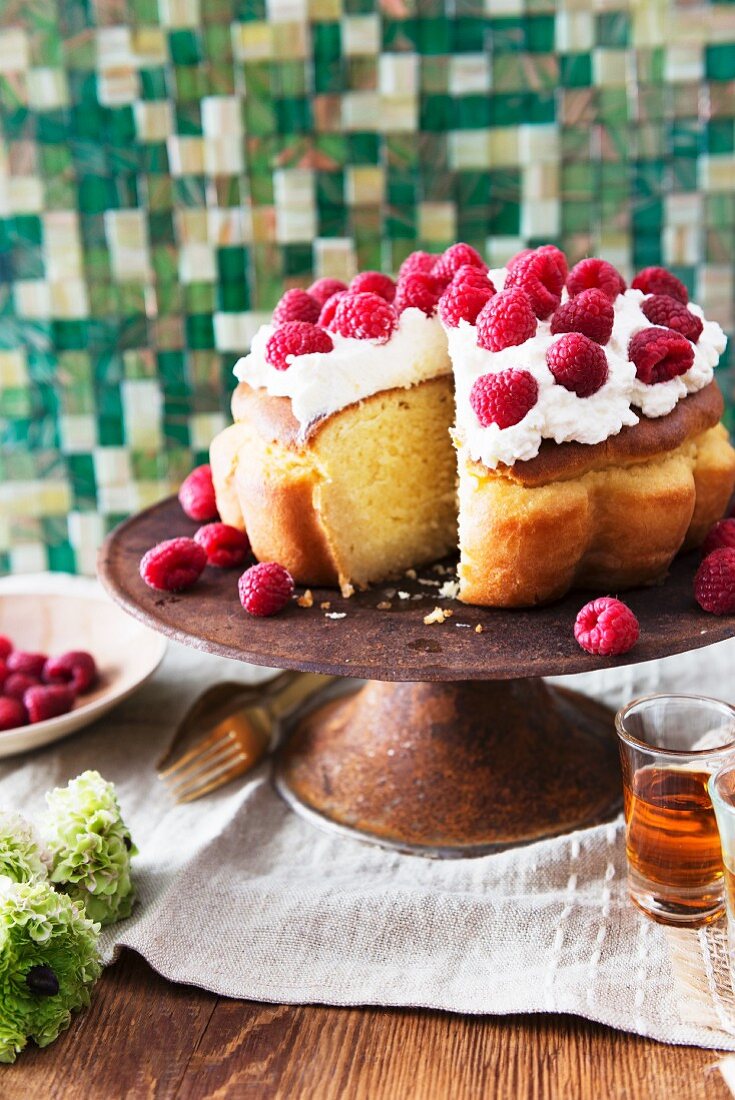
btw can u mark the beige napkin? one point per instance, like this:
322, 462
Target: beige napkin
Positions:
240, 896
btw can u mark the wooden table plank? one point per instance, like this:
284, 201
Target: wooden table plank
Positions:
146, 1038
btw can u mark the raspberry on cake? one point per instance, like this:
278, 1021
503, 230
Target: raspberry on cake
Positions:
296, 305
540, 274
506, 321
660, 354
577, 363
463, 302
657, 280
415, 262
323, 289
418, 290
590, 312
456, 256
503, 398
295, 338
374, 282
364, 316
595, 274
662, 309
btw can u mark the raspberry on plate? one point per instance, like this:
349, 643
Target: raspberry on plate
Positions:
295, 338
265, 588
3, 673
6, 647
454, 257
417, 291
330, 308
296, 305
595, 274
660, 354
606, 627
714, 582
196, 495
506, 321
415, 262
224, 545
173, 565
662, 309
323, 289
463, 302
577, 363
657, 280
721, 534
374, 282
540, 274
17, 684
365, 317
77, 668
48, 701
12, 714
590, 313
503, 398
29, 663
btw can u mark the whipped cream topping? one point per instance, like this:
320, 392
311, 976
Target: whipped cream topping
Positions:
322, 383
559, 414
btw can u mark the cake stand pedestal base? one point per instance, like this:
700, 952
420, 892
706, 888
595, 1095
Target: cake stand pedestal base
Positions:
453, 769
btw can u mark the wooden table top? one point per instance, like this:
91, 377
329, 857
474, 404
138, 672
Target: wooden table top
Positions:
148, 1038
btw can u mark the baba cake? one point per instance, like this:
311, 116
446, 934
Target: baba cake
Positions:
584, 415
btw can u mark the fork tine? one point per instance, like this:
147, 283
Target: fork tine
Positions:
196, 769
209, 781
196, 761
197, 752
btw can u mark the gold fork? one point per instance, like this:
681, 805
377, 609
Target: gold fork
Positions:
239, 721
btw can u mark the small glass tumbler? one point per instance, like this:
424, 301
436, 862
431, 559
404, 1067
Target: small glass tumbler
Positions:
670, 745
722, 793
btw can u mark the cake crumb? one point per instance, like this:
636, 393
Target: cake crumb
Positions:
449, 590
384, 605
411, 574
438, 615
307, 600
478, 628
404, 595
463, 624
346, 589
326, 605
429, 581
336, 615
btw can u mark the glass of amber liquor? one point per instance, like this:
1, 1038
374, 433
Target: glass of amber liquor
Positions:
670, 746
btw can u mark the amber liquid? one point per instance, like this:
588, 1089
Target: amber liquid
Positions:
672, 839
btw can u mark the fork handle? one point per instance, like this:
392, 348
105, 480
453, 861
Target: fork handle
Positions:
294, 692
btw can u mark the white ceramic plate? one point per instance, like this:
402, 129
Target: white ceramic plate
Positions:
53, 612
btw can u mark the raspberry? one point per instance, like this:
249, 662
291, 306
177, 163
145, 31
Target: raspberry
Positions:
607, 627
721, 534
661, 309
6, 647
416, 262
590, 313
48, 701
265, 588
296, 305
330, 308
660, 354
657, 280
294, 338
595, 274
463, 302
173, 565
12, 714
196, 495
456, 256
714, 582
224, 546
503, 398
31, 664
506, 321
474, 276
365, 317
417, 291
3, 673
323, 289
75, 668
17, 684
577, 363
541, 275
555, 253
374, 282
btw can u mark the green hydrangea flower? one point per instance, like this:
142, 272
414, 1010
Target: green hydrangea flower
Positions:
48, 963
91, 847
22, 855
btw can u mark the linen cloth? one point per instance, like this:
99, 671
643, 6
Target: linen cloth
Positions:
239, 895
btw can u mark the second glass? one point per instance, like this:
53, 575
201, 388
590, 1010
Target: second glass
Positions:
669, 747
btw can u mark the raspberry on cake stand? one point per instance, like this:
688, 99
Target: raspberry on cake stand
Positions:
456, 746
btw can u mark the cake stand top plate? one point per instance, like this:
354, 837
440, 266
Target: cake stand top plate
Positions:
352, 637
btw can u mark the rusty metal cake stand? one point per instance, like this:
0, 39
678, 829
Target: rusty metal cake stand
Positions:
455, 746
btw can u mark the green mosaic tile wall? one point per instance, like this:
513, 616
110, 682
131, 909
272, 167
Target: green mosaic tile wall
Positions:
168, 166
